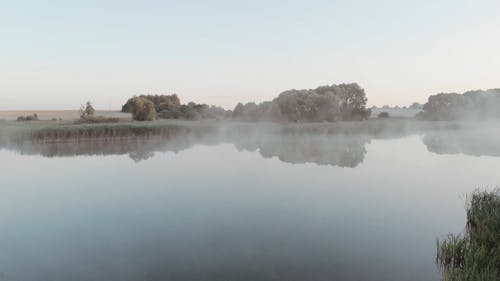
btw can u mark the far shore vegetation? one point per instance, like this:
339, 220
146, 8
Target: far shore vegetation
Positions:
383, 114
471, 105
33, 117
342, 102
150, 107
333, 103
322, 105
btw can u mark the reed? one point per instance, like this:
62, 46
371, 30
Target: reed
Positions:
53, 131
474, 255
100, 128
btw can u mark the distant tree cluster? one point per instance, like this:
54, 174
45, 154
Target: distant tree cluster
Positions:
384, 114
413, 106
160, 102
33, 117
416, 106
149, 107
325, 103
477, 104
265, 111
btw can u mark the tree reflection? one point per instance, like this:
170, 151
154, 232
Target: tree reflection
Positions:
288, 145
296, 144
339, 151
480, 141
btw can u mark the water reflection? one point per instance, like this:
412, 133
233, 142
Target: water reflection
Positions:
213, 213
343, 151
295, 144
289, 146
138, 149
482, 141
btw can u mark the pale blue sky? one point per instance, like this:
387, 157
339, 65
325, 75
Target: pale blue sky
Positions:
58, 54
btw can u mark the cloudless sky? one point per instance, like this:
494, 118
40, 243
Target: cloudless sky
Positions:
58, 54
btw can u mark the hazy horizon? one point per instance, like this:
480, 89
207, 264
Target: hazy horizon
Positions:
56, 55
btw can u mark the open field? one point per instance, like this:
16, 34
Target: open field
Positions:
58, 114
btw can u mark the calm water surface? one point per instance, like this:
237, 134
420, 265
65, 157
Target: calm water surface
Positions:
276, 208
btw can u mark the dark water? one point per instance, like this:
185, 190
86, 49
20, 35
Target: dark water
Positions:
238, 207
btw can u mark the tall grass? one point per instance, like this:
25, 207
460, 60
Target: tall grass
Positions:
474, 255
60, 131
47, 131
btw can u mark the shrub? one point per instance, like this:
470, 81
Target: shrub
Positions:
142, 109
161, 102
33, 117
87, 110
383, 114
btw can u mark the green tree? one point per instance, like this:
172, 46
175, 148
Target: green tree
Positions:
142, 109
87, 110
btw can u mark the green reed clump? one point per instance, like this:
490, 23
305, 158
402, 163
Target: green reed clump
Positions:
99, 131
48, 131
475, 255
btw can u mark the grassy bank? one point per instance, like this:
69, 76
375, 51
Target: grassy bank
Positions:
46, 131
475, 255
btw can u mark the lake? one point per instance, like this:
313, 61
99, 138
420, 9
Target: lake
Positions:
240, 205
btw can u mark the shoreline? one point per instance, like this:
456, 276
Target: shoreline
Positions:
61, 130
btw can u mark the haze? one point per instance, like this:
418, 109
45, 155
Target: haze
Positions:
58, 54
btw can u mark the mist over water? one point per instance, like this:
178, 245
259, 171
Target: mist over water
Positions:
240, 203
322, 144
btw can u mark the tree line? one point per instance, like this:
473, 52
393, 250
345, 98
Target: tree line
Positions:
323, 104
342, 102
150, 107
476, 104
